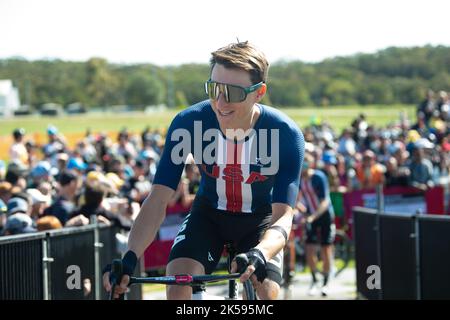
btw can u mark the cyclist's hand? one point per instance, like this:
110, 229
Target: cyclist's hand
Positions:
118, 290
121, 270
246, 274
250, 263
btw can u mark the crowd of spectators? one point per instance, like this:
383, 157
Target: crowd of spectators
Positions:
53, 186
403, 153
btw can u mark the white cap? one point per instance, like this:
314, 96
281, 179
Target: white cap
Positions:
38, 197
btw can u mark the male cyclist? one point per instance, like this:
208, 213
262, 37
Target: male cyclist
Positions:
315, 192
249, 156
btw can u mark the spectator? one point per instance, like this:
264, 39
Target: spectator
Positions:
76, 165
19, 223
426, 107
16, 175
48, 223
39, 203
56, 142
18, 205
64, 205
394, 175
93, 195
346, 144
5, 191
369, 173
18, 152
421, 169
40, 173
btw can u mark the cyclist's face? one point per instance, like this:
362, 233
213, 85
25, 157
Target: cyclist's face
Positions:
233, 115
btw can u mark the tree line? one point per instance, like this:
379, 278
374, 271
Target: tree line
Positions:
393, 75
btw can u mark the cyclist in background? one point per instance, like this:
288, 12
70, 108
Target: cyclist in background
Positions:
319, 220
245, 196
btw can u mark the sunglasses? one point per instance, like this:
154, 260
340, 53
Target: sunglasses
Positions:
231, 93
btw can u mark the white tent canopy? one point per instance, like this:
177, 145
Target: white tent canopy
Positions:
9, 98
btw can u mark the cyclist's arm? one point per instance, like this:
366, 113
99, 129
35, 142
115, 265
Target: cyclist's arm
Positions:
151, 216
273, 240
321, 209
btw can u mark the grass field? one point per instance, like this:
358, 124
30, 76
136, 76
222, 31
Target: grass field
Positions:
75, 126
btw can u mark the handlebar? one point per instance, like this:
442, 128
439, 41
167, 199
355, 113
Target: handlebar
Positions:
180, 279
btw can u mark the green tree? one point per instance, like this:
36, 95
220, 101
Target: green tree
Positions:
143, 90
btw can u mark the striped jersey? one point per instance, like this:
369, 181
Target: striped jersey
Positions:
314, 190
237, 176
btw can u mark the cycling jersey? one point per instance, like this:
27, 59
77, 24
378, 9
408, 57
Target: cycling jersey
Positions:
316, 189
244, 176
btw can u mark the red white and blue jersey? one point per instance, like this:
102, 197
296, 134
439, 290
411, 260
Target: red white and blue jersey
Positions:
246, 176
315, 190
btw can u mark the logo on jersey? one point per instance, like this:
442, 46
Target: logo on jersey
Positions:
208, 144
233, 174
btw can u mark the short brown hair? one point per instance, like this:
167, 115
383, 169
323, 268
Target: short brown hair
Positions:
244, 56
48, 223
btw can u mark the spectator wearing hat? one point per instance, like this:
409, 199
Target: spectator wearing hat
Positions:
421, 169
19, 223
64, 204
56, 142
329, 168
18, 151
40, 173
39, 203
77, 165
18, 204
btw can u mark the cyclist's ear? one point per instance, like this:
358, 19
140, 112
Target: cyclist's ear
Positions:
262, 90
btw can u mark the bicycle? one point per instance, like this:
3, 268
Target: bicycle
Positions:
197, 282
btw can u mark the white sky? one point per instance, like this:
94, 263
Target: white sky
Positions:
182, 31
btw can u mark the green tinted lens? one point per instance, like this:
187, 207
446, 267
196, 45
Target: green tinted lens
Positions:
236, 94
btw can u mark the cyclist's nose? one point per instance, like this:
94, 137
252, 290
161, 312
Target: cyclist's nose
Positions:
221, 102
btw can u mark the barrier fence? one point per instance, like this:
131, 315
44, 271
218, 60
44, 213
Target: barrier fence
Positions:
406, 254
58, 265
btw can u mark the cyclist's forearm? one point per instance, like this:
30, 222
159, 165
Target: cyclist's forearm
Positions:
323, 207
147, 224
273, 240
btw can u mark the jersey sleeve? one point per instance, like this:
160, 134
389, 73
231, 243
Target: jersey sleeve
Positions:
170, 168
287, 180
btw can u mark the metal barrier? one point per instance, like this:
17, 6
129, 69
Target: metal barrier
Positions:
411, 252
59, 264
21, 269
